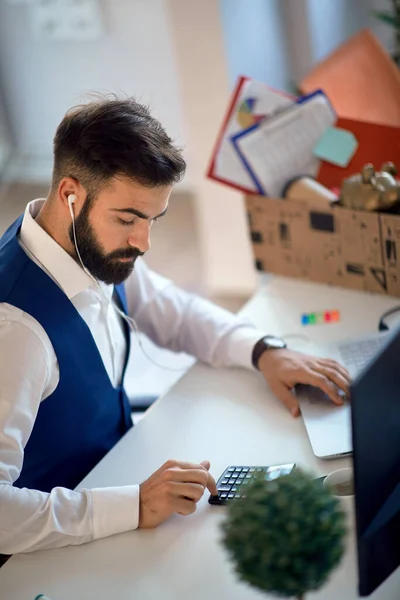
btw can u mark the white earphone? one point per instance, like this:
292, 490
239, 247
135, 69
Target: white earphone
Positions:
131, 322
71, 199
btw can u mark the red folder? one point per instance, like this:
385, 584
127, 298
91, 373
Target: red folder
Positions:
210, 170
376, 144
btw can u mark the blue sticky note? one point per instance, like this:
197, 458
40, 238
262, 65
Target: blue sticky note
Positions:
337, 146
304, 319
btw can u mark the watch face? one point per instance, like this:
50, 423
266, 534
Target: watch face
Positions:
274, 342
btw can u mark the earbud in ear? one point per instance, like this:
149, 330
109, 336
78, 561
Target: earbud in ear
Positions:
71, 199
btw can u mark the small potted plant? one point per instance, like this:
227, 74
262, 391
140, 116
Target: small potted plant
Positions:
286, 536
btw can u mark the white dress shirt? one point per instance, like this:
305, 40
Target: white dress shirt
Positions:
30, 519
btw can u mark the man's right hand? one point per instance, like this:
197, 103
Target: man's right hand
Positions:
175, 488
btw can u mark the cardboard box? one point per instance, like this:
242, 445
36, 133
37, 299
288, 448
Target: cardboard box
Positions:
327, 244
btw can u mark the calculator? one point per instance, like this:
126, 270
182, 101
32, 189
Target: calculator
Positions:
234, 480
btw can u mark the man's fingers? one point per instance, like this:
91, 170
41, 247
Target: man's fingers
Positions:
211, 483
332, 364
195, 475
189, 491
212, 486
185, 507
181, 465
336, 377
287, 398
187, 475
194, 484
310, 377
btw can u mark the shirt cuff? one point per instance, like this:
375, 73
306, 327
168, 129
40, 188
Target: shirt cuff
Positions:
114, 510
241, 346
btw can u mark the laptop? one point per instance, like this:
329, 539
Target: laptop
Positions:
328, 425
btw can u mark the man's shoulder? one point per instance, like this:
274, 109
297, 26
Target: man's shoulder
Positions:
9, 312
22, 329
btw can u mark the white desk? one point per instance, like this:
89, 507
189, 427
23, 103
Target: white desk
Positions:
227, 416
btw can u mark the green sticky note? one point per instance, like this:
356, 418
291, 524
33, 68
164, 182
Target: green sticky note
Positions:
312, 318
336, 146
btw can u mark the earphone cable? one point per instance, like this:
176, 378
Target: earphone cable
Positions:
131, 322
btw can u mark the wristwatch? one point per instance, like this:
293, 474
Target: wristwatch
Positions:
268, 342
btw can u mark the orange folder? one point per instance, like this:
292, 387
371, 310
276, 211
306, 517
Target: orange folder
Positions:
376, 144
361, 81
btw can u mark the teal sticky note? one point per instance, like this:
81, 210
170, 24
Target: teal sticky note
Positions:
337, 146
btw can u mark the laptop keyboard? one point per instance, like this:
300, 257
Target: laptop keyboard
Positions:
356, 355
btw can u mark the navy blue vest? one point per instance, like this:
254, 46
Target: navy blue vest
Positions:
85, 416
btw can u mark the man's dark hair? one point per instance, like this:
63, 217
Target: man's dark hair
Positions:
99, 140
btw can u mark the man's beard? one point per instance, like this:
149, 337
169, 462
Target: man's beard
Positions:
105, 267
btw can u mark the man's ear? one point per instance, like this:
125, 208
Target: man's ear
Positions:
71, 194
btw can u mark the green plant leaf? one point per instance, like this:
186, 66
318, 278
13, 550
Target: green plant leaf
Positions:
387, 18
286, 536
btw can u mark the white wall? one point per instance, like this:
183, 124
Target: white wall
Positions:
5, 140
331, 23
278, 41
203, 80
42, 79
254, 34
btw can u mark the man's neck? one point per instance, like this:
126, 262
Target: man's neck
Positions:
54, 226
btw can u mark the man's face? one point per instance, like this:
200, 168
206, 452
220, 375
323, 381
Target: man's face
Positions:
113, 229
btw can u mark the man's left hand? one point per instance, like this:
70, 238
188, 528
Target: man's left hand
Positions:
283, 369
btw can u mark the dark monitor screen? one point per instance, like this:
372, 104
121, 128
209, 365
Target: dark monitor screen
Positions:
375, 398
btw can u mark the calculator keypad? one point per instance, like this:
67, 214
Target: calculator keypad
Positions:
232, 483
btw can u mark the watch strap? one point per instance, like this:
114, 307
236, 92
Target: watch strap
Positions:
260, 347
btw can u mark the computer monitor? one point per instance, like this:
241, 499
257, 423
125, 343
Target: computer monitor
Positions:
375, 399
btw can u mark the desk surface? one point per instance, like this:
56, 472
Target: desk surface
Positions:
228, 417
